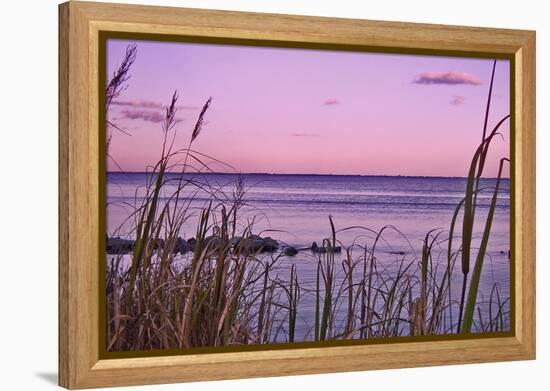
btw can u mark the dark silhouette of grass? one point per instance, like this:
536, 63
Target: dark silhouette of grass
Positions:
470, 203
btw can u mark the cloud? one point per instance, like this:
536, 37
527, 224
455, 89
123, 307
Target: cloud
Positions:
145, 110
446, 78
457, 100
138, 103
145, 115
303, 135
149, 104
331, 101
187, 107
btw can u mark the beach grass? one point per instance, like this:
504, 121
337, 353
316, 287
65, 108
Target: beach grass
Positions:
473, 189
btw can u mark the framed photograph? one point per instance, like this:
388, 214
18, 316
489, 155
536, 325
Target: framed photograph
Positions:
247, 195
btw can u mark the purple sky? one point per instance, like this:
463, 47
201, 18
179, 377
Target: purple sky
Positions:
310, 111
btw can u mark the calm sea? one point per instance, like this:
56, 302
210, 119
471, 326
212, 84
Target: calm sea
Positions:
294, 209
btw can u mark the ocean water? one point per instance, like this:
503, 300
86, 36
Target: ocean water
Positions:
294, 210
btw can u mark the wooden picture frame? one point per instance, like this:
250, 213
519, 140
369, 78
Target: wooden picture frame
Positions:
80, 24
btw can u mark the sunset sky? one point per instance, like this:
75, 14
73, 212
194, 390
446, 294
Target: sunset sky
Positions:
310, 111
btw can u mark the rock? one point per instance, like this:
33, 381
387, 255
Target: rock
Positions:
213, 242
119, 246
397, 252
290, 251
182, 246
158, 244
235, 241
269, 244
316, 249
249, 245
254, 244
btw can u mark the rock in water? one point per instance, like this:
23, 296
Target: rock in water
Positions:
119, 246
269, 244
234, 242
182, 246
157, 244
397, 252
248, 245
290, 251
213, 242
314, 247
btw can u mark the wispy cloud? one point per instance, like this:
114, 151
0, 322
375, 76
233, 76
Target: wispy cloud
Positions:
144, 115
149, 104
304, 135
145, 110
138, 103
446, 78
331, 101
457, 100
187, 107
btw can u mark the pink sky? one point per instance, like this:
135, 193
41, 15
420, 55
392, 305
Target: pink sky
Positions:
310, 111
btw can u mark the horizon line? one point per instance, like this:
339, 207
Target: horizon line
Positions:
302, 174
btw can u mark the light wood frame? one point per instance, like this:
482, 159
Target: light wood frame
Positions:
79, 26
